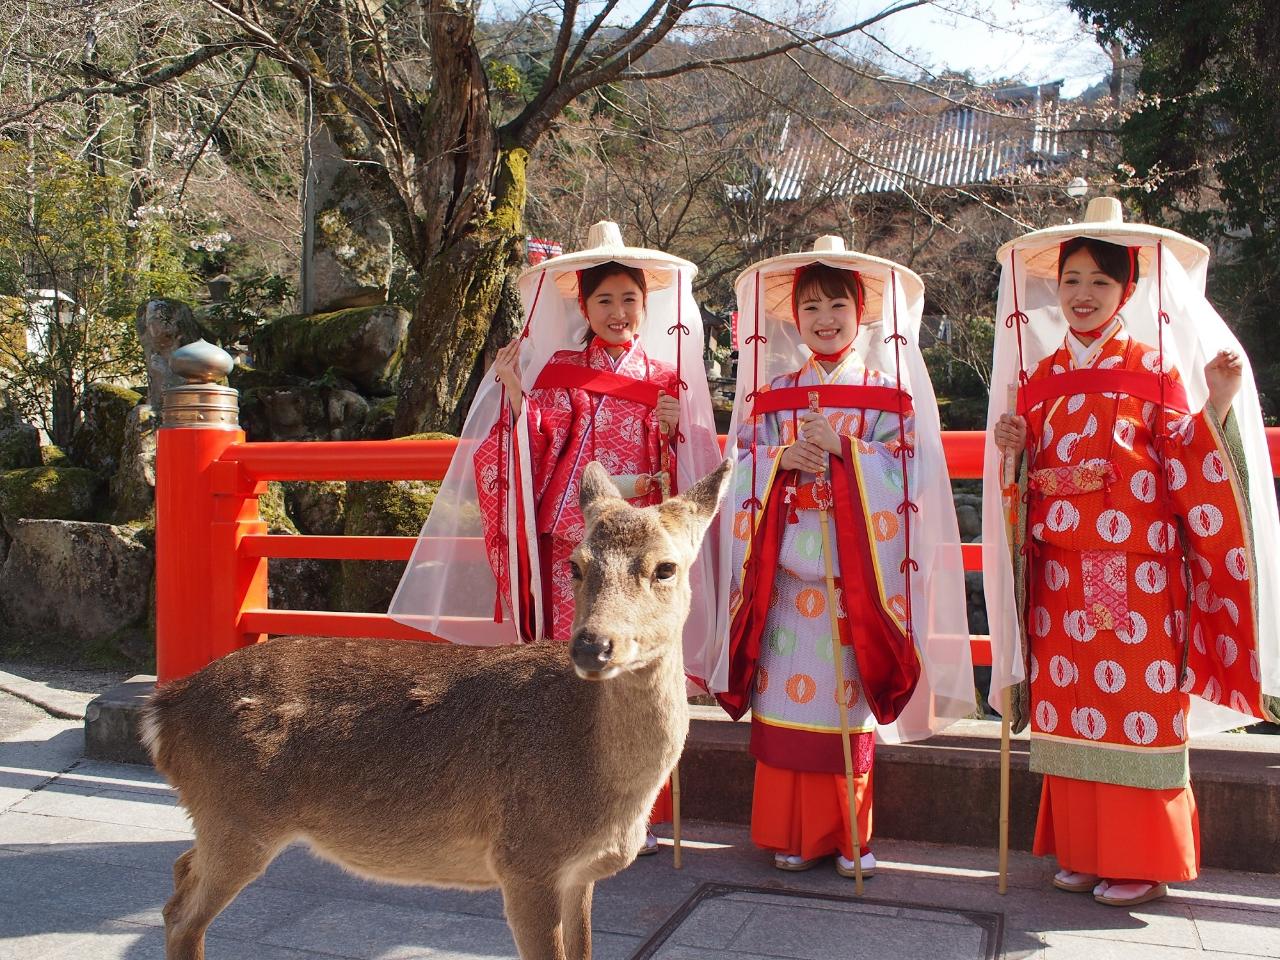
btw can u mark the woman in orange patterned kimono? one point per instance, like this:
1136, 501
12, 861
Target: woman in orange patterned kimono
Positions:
1138, 590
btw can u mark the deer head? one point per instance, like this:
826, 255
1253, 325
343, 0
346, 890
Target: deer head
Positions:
631, 572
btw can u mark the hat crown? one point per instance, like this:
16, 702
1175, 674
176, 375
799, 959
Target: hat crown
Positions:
605, 233
829, 244
1104, 210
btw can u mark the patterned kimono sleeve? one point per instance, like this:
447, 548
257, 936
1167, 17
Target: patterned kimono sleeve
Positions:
1207, 495
549, 416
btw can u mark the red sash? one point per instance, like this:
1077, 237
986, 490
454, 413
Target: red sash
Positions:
833, 395
571, 376
1134, 383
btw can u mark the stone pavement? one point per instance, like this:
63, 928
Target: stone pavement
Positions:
86, 851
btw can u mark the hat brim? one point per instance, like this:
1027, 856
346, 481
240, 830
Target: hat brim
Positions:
659, 268
777, 276
1039, 249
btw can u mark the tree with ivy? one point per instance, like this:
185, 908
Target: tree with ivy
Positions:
1203, 140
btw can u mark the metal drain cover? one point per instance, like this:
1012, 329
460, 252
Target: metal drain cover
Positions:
725, 922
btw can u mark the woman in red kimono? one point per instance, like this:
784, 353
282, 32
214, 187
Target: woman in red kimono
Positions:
608, 367
1136, 575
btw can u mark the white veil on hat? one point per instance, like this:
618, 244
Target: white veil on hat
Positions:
1172, 274
770, 346
448, 588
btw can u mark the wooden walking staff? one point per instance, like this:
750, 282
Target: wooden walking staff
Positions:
1009, 499
677, 858
823, 497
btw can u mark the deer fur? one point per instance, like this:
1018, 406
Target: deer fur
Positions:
529, 768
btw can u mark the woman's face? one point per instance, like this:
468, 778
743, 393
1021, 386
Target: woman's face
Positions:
827, 324
615, 309
1088, 297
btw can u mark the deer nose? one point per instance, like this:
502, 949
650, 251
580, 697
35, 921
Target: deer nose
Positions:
590, 652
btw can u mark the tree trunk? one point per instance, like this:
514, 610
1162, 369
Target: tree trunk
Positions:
466, 292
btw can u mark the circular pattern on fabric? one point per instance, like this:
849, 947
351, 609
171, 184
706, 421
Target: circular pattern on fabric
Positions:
1151, 576
1046, 716
1090, 426
742, 525
1188, 680
1077, 626
1176, 472
885, 525
1140, 727
1177, 629
1161, 676
1040, 621
1255, 670
783, 641
1055, 575
1075, 402
762, 679
1061, 671
1214, 470
1197, 639
1180, 726
1109, 676
850, 693
1160, 536
1126, 431
1133, 629
1143, 486
897, 605
1035, 668
1212, 690
1240, 703
1205, 519
822, 647
808, 544
801, 688
1067, 446
1113, 526
1238, 563
811, 603
1061, 516
1089, 722
1227, 649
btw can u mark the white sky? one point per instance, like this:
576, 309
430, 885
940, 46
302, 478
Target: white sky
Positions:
1033, 40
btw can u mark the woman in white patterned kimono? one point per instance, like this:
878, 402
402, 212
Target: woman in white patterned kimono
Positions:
830, 376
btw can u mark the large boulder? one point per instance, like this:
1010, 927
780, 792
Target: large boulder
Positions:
362, 345
48, 493
133, 487
99, 437
969, 516
19, 441
302, 412
75, 585
163, 326
317, 507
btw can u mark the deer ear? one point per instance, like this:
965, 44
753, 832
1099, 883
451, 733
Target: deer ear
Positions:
697, 506
595, 486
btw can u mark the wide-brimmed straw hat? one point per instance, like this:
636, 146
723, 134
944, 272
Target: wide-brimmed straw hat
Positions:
777, 276
1103, 220
604, 244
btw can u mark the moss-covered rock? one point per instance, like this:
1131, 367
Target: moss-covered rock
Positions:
53, 456
19, 441
396, 508
133, 486
382, 417
48, 493
272, 509
362, 344
99, 437
314, 411
317, 508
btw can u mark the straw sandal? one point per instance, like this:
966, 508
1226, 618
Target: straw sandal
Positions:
868, 865
650, 846
1074, 882
783, 862
1154, 891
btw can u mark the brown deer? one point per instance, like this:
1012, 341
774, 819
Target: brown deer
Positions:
528, 768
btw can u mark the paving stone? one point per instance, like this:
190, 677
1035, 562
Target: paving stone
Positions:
713, 923
19, 829
1250, 932
128, 808
37, 930
1064, 946
1162, 923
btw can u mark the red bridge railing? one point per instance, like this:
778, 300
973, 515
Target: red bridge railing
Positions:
212, 548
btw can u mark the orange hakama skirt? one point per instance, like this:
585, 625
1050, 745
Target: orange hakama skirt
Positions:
1119, 833
804, 814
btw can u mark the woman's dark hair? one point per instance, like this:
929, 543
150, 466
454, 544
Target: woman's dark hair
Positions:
589, 281
1118, 262
831, 282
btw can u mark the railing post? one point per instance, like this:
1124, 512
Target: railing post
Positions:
202, 510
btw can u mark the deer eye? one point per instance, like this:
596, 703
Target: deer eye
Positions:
575, 571
665, 572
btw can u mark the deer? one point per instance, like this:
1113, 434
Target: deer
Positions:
528, 768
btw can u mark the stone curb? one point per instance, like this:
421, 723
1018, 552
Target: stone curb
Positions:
63, 704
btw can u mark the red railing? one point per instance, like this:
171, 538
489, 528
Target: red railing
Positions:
212, 548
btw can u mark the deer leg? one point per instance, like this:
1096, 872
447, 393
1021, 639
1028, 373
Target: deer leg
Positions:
204, 883
575, 920
533, 913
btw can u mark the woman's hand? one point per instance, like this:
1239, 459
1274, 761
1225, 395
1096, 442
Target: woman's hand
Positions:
668, 413
803, 455
1222, 375
816, 429
506, 367
1011, 434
